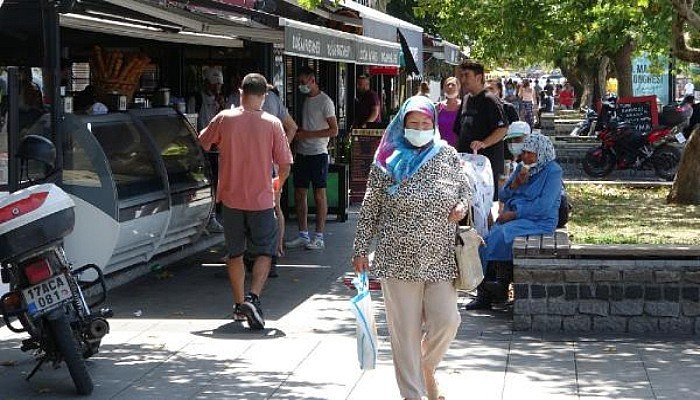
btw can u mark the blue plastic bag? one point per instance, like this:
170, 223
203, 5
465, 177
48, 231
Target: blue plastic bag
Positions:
361, 306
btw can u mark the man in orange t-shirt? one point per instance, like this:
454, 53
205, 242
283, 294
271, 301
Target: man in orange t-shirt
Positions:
249, 141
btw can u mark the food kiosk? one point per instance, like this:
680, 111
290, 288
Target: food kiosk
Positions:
140, 182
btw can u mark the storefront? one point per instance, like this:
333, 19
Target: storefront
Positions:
334, 55
141, 184
378, 25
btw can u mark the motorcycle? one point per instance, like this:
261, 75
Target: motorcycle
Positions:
623, 148
46, 297
587, 126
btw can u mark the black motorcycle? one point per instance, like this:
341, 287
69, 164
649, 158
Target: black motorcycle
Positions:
46, 297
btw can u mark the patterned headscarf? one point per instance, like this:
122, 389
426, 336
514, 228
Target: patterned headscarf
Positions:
543, 147
395, 155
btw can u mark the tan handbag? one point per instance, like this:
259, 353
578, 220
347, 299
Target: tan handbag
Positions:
469, 269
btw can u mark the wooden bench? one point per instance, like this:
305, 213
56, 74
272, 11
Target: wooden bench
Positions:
555, 245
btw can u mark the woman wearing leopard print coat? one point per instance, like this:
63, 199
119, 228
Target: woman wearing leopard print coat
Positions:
415, 196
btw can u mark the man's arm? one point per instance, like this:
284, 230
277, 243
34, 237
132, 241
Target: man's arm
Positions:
331, 131
209, 136
290, 127
283, 173
497, 119
496, 136
374, 114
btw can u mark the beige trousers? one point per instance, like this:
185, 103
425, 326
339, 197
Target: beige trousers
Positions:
423, 320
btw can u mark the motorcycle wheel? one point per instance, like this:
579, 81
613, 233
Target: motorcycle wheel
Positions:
68, 347
665, 161
598, 162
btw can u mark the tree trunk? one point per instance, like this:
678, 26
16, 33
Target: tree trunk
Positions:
685, 186
623, 65
600, 80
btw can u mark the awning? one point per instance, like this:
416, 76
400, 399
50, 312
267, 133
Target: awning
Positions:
311, 41
452, 53
109, 26
446, 51
377, 52
199, 25
378, 25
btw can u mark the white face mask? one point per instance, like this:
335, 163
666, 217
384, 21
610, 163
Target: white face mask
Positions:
304, 89
515, 148
452, 95
418, 137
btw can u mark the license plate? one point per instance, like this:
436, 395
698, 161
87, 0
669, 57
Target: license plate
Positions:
46, 294
680, 137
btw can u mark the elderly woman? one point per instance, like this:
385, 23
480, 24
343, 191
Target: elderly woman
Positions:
531, 198
415, 196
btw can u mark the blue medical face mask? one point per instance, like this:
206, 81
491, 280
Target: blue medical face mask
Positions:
515, 148
419, 138
304, 89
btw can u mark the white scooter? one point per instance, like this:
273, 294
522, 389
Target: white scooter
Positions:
46, 293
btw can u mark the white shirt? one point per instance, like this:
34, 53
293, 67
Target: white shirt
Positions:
689, 89
315, 113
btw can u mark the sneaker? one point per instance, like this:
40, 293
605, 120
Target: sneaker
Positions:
298, 242
251, 309
315, 244
238, 315
214, 226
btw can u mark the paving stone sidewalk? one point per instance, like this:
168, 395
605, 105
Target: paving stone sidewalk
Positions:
173, 338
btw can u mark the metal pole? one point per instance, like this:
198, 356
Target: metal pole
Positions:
52, 62
671, 78
12, 129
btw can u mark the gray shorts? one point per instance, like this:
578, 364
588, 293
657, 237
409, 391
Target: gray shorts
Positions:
258, 227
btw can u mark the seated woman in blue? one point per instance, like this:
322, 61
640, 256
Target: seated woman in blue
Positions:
531, 198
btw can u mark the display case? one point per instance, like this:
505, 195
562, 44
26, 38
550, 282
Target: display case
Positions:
141, 184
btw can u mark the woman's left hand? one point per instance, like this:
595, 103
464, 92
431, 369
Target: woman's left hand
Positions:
458, 213
506, 216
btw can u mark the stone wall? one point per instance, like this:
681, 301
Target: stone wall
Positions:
616, 296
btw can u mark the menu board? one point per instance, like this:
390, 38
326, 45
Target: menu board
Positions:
364, 145
640, 113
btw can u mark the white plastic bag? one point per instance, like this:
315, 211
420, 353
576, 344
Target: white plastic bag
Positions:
478, 170
361, 306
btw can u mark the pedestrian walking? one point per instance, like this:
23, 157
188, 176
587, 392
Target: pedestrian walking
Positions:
415, 196
319, 124
249, 140
528, 99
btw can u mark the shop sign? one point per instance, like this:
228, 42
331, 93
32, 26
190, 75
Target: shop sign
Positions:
311, 44
376, 54
646, 81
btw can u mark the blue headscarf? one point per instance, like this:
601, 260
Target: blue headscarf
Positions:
543, 147
395, 155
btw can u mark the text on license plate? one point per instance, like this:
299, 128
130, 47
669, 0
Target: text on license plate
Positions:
680, 137
46, 294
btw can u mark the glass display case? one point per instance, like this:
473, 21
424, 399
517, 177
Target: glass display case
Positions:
141, 182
